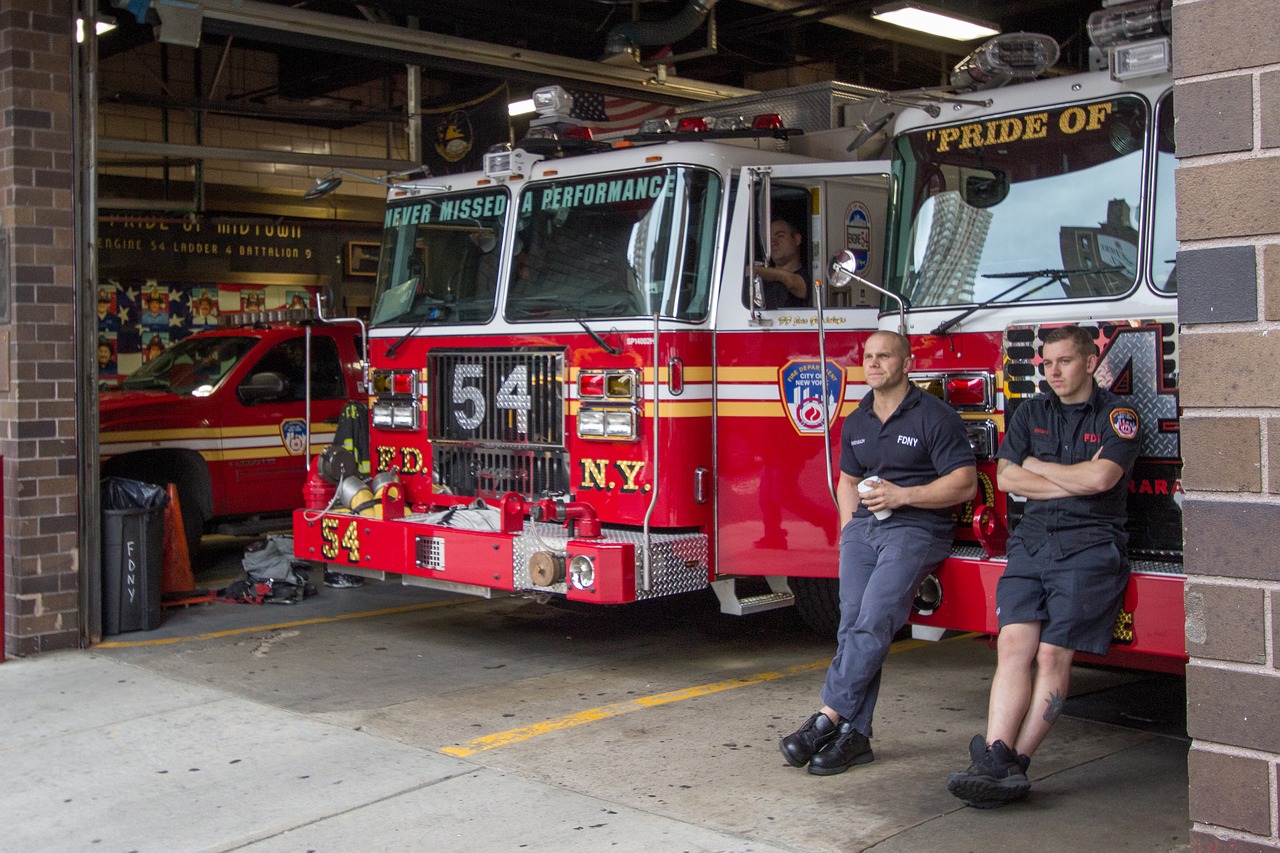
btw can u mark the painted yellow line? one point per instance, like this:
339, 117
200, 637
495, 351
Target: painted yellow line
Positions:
604, 712
214, 635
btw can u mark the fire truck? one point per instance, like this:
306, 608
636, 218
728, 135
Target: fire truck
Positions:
226, 415
581, 387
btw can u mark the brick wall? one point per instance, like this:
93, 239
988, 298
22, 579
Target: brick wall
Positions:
37, 406
1228, 183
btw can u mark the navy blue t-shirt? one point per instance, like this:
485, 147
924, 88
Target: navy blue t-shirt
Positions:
1051, 432
922, 441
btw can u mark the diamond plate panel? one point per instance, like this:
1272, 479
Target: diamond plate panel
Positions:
679, 561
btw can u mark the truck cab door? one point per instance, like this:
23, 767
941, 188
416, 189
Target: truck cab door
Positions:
264, 425
776, 512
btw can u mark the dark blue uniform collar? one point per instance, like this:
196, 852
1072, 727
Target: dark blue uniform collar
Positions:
1089, 405
910, 401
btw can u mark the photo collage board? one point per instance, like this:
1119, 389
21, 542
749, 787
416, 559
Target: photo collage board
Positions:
139, 318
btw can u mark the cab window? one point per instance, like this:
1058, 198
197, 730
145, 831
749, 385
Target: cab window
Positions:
288, 359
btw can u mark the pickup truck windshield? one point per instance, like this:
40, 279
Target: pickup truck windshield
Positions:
192, 367
1057, 191
628, 244
439, 260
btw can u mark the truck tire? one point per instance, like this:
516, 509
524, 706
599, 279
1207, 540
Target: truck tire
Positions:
818, 602
162, 469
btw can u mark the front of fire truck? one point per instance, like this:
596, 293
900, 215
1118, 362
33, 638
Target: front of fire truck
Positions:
1031, 206
534, 427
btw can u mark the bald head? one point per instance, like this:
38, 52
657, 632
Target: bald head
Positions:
898, 343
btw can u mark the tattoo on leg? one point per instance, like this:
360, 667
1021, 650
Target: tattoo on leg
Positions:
1053, 706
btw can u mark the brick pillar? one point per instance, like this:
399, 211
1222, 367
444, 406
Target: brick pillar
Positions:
37, 359
1228, 182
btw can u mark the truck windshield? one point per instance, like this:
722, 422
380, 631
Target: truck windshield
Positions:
1048, 201
622, 245
439, 260
192, 367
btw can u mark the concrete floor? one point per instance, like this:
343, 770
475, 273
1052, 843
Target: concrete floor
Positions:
448, 723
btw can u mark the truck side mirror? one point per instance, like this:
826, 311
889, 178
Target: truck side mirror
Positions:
262, 387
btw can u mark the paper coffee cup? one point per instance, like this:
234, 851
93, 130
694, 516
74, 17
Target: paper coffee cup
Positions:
866, 486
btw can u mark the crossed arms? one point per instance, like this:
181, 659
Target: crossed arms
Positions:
1039, 480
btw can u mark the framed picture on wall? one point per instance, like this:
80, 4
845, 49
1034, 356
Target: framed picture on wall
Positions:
362, 259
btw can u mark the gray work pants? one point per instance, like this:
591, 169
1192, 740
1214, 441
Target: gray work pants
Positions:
881, 566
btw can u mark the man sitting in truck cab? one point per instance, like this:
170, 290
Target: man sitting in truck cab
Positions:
786, 275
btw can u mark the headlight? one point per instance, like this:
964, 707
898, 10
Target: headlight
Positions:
582, 571
404, 416
620, 424
616, 424
591, 423
382, 415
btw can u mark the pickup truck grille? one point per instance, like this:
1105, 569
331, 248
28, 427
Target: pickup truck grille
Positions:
508, 397
496, 422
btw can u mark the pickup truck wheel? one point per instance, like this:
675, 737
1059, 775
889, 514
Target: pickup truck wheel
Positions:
818, 602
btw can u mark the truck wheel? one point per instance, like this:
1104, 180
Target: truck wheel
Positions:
818, 602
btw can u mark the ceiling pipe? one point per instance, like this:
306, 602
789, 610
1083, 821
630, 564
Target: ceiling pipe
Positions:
353, 37
628, 35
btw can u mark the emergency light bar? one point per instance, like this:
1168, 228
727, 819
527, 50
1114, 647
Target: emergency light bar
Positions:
295, 316
693, 128
1009, 58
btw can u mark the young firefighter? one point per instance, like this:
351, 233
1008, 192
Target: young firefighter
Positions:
1070, 454
786, 277
904, 462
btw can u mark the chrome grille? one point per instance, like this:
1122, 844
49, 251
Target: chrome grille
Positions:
491, 473
487, 397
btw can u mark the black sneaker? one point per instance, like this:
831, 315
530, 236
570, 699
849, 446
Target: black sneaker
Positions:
847, 748
996, 775
799, 746
338, 580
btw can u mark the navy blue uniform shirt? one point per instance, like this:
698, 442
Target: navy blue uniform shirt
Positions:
1051, 432
920, 442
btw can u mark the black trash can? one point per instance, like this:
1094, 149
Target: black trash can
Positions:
132, 549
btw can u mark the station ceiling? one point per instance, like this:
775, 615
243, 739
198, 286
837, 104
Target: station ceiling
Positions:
329, 45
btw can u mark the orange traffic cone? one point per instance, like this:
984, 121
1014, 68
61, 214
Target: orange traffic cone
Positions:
175, 565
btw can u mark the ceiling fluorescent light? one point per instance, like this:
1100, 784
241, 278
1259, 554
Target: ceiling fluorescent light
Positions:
934, 21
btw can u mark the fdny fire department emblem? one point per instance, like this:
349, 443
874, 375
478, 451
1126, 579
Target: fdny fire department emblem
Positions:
858, 234
1125, 422
801, 386
293, 433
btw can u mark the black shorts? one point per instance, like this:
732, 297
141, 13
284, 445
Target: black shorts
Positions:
1075, 599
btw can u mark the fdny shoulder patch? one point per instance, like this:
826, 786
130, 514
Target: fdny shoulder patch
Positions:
1125, 422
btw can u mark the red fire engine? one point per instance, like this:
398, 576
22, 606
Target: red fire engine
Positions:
584, 391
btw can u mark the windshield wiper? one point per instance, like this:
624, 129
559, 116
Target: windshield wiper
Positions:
1050, 276
595, 336
144, 384
438, 311
555, 303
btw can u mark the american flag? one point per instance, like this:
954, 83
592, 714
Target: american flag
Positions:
606, 114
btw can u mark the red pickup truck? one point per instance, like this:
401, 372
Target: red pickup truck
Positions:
222, 415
